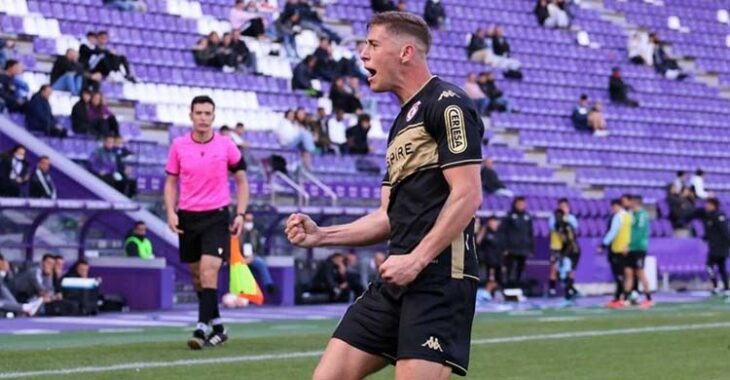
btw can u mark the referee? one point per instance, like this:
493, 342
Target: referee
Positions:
199, 163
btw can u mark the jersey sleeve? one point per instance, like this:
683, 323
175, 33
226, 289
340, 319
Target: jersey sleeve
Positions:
173, 161
457, 128
386, 178
236, 161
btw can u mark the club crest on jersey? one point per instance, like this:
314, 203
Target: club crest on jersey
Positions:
412, 111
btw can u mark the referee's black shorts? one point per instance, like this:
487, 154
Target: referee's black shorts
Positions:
204, 233
429, 319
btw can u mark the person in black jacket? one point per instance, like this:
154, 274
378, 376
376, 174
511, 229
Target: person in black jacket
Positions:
618, 90
80, 122
41, 183
519, 243
434, 14
244, 57
490, 246
717, 237
12, 97
490, 180
89, 52
331, 277
303, 75
38, 114
13, 171
68, 74
383, 6
681, 207
500, 46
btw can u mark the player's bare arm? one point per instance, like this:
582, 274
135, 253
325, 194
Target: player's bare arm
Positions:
373, 228
170, 195
242, 195
464, 200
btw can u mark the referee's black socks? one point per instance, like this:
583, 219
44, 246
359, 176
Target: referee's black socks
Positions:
207, 306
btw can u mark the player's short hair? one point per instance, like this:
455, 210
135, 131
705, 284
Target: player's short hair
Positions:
48, 256
139, 223
41, 158
202, 99
563, 200
10, 63
714, 201
699, 172
91, 34
615, 202
637, 198
681, 173
404, 23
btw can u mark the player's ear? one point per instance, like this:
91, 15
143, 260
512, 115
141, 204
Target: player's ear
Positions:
406, 53
191, 116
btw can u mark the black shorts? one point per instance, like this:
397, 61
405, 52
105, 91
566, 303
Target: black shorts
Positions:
636, 259
556, 256
429, 319
494, 272
204, 233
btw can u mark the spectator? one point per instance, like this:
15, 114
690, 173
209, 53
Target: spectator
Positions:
320, 132
551, 15
516, 228
434, 14
13, 89
286, 27
497, 100
38, 282
480, 50
579, 117
596, 120
356, 65
345, 96
58, 264
379, 6
111, 61
640, 48
68, 74
102, 120
337, 131
357, 136
243, 57
326, 67
39, 117
500, 46
331, 277
245, 17
204, 52
697, 184
14, 170
475, 93
679, 182
80, 122
136, 244
238, 136
89, 52
5, 45
663, 63
491, 182
41, 182
8, 302
128, 5
225, 55
122, 152
303, 75
681, 207
618, 90
105, 163
354, 277
562, 244
252, 249
309, 19
291, 136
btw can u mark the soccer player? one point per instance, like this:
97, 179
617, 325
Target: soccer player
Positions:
564, 246
617, 241
638, 247
420, 315
199, 163
556, 247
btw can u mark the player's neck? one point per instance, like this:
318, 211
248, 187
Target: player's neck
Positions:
413, 82
202, 137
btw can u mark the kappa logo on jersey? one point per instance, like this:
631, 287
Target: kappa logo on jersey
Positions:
412, 111
433, 343
448, 94
455, 129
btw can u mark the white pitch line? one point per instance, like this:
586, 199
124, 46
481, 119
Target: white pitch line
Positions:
308, 354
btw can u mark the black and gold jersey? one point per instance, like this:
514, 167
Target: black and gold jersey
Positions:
437, 128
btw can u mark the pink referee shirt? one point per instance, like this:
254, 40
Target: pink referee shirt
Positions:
202, 169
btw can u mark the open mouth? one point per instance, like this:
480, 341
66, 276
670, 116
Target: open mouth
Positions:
372, 72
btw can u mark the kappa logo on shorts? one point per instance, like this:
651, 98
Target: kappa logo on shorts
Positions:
220, 251
433, 343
